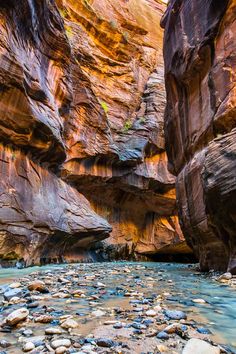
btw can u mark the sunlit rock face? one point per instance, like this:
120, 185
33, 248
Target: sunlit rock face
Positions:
81, 104
116, 149
41, 217
200, 121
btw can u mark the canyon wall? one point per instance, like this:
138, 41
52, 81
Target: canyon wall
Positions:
81, 119
200, 122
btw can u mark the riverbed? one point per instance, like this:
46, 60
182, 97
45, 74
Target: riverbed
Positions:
111, 299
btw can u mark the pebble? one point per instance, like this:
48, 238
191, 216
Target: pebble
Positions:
43, 319
38, 285
151, 313
27, 332
98, 313
61, 350
12, 293
199, 301
60, 343
53, 330
175, 315
4, 343
203, 330
118, 325
224, 277
69, 323
28, 346
15, 285
198, 346
162, 335
17, 316
105, 343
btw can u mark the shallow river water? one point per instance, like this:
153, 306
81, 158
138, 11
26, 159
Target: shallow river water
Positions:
179, 283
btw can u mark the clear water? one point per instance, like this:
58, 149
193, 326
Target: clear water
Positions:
218, 314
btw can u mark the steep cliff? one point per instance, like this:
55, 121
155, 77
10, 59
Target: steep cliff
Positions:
81, 104
200, 121
118, 159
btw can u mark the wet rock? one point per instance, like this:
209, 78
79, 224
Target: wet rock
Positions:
224, 277
28, 346
105, 343
17, 316
69, 323
15, 285
175, 315
27, 332
137, 325
163, 335
12, 293
38, 285
61, 350
32, 305
118, 325
198, 346
44, 319
203, 330
98, 313
4, 343
53, 330
199, 301
60, 343
151, 313
172, 328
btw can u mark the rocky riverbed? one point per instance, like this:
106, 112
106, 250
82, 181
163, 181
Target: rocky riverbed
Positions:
113, 308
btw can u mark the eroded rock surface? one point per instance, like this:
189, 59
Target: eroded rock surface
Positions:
81, 103
199, 52
118, 159
42, 217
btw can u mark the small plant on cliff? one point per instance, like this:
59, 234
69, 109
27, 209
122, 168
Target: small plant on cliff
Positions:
104, 106
63, 12
69, 32
142, 120
127, 125
113, 24
125, 36
13, 156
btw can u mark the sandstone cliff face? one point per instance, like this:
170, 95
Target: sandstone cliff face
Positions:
199, 52
118, 159
40, 215
81, 104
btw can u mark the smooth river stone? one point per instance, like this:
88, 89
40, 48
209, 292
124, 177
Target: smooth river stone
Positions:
17, 316
198, 346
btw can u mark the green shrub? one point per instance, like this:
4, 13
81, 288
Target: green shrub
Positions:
104, 106
127, 125
69, 32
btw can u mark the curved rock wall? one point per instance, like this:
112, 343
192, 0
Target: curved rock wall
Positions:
81, 104
118, 159
199, 52
41, 217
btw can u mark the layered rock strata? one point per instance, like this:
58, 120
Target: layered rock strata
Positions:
200, 121
118, 159
81, 104
41, 217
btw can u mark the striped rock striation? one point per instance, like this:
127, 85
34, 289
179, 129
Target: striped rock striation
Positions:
81, 113
200, 122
